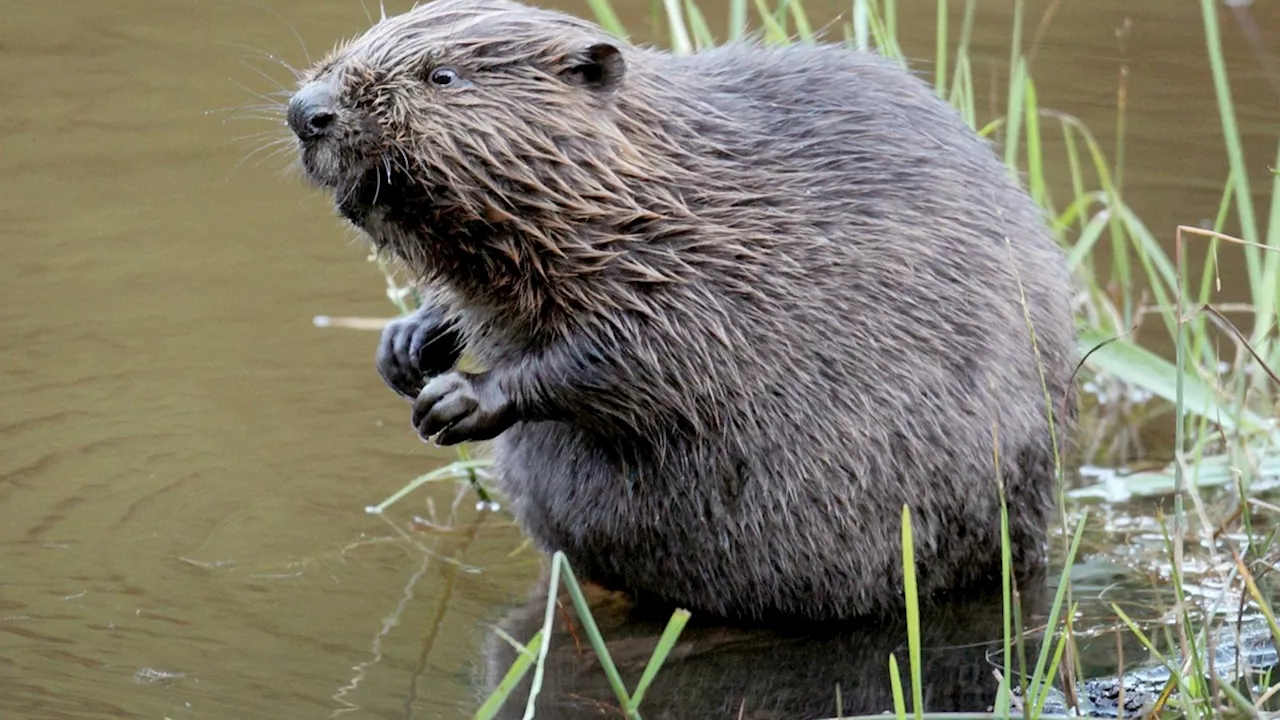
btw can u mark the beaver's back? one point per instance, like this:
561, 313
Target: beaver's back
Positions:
857, 219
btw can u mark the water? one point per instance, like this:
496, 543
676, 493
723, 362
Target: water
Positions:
185, 459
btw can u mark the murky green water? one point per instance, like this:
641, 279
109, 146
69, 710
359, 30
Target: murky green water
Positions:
185, 459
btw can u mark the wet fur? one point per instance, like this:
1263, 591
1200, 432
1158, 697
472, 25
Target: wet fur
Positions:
745, 303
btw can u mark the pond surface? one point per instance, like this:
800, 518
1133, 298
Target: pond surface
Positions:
185, 459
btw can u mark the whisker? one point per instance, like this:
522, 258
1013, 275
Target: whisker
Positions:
278, 123
265, 152
387, 159
277, 144
266, 110
377, 189
261, 111
350, 191
274, 105
270, 137
275, 118
258, 52
264, 98
281, 152
302, 43
407, 166
231, 115
279, 85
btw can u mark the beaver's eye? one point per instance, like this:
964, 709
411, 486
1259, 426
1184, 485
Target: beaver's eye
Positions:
444, 76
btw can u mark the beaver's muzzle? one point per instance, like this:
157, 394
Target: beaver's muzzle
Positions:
312, 110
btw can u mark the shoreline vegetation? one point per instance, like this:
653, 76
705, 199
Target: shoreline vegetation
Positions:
1219, 391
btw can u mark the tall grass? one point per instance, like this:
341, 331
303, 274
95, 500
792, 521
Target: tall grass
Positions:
1227, 413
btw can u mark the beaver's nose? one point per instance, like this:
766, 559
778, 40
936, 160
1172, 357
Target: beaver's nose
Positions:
312, 110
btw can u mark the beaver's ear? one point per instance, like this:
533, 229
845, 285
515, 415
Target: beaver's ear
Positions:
599, 67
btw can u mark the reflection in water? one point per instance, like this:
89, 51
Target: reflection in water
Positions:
716, 671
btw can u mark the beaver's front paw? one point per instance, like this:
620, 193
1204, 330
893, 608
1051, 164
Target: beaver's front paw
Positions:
416, 348
462, 407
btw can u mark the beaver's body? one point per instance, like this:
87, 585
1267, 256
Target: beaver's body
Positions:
737, 307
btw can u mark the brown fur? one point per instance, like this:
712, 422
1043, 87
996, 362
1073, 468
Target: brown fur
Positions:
737, 308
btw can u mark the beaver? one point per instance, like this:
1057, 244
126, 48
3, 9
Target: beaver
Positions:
732, 309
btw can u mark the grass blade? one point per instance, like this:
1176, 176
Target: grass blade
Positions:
453, 471
680, 43
524, 660
665, 643
607, 18
737, 19
1038, 692
593, 632
702, 37
773, 30
1143, 368
895, 680
940, 67
913, 611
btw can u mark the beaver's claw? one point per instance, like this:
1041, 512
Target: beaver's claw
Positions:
462, 407
416, 348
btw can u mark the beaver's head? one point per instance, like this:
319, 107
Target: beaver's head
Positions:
467, 113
